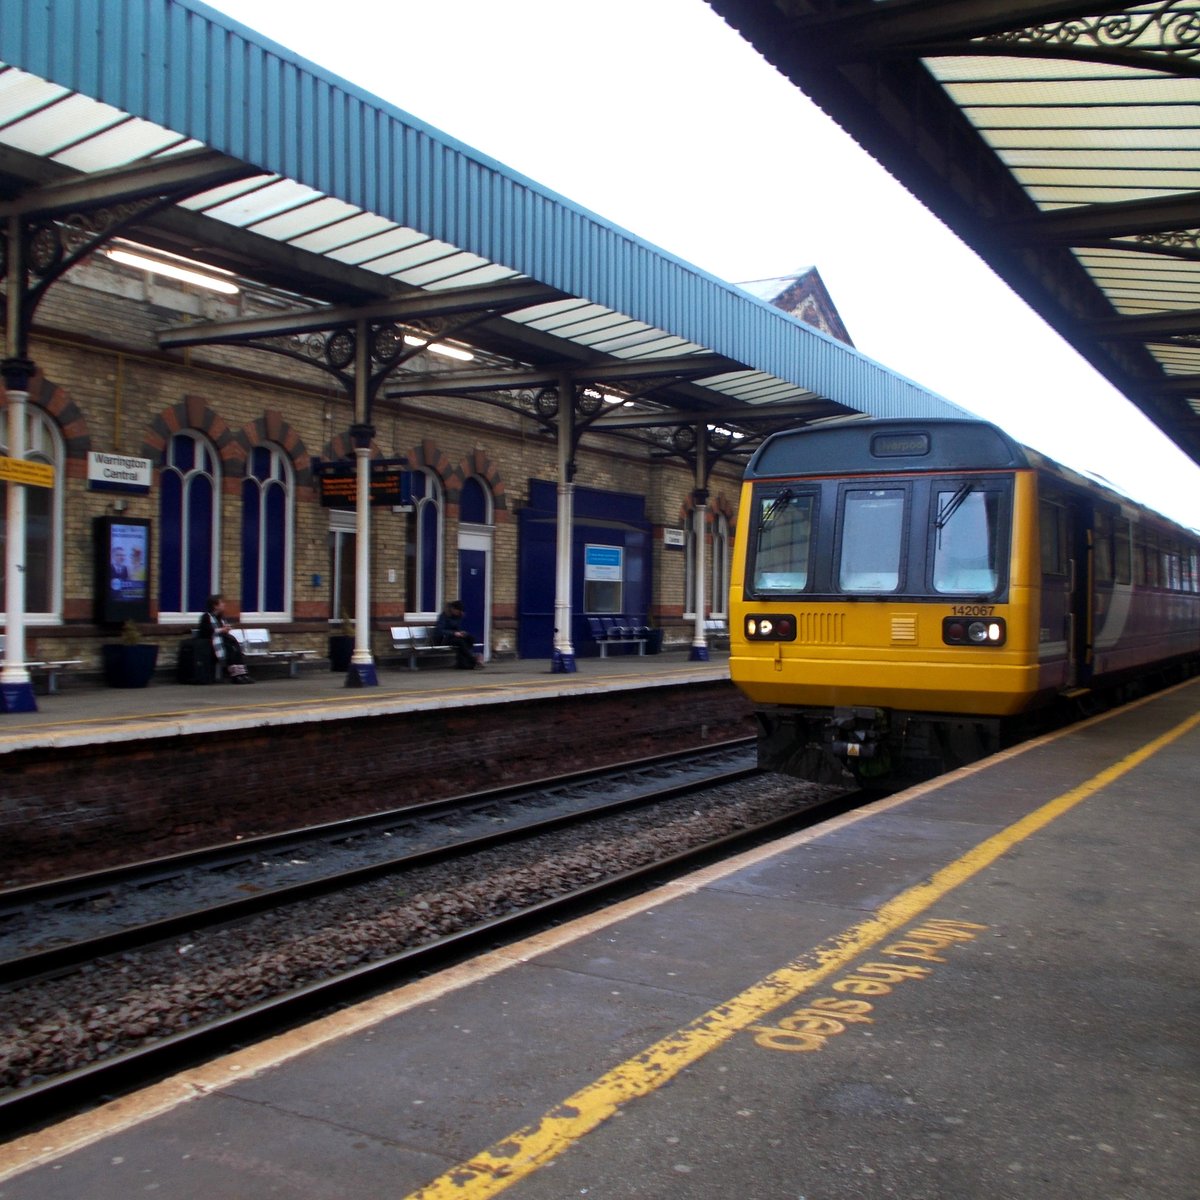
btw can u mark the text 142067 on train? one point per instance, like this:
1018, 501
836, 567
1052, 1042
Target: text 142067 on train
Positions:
908, 596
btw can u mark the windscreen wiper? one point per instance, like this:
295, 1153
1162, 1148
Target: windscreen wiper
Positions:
768, 515
953, 505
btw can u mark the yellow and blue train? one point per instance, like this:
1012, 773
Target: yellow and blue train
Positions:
908, 596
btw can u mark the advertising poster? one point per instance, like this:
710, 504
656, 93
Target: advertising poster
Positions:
122, 570
128, 550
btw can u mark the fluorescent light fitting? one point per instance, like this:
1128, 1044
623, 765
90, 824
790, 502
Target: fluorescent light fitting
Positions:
157, 267
438, 348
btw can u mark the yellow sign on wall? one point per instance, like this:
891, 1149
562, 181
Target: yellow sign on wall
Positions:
20, 470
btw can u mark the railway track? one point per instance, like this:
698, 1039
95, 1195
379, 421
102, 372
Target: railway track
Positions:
65, 922
601, 825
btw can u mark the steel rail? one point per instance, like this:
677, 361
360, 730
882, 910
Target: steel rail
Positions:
166, 866
24, 967
97, 1082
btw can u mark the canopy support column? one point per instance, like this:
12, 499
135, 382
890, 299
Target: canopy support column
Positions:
699, 651
563, 661
362, 671
16, 687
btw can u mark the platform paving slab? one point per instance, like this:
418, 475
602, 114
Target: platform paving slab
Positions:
1050, 1051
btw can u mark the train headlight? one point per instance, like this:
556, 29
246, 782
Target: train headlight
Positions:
771, 627
990, 631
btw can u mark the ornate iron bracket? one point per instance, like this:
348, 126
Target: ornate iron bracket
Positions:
50, 248
1164, 38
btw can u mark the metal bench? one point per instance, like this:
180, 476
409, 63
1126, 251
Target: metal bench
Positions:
256, 644
716, 632
610, 631
415, 642
48, 669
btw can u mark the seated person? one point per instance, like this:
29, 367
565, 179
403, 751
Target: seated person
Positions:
449, 631
227, 652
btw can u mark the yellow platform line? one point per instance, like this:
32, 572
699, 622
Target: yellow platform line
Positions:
48, 1145
534, 1146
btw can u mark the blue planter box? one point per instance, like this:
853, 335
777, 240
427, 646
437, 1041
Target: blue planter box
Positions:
129, 666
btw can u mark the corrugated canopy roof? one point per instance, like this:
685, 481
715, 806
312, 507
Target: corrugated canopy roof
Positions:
284, 174
1059, 139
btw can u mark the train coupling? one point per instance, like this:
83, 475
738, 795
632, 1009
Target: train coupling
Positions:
858, 733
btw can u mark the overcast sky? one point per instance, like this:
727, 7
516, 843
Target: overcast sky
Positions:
658, 117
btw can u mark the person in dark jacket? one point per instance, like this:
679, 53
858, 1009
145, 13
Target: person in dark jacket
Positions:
449, 631
227, 650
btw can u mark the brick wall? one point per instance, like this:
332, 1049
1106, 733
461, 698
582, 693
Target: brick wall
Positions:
94, 342
103, 805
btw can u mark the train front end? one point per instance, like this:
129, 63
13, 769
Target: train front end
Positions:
883, 601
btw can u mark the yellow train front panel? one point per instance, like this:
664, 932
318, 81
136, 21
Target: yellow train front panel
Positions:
884, 655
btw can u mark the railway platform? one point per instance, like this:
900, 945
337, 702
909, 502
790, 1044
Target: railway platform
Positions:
86, 712
984, 986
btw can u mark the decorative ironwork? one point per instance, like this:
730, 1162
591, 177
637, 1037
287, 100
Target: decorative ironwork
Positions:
43, 248
1170, 29
340, 347
1175, 239
53, 247
683, 439
545, 403
588, 401
387, 344
720, 438
79, 233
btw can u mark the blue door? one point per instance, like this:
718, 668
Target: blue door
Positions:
473, 591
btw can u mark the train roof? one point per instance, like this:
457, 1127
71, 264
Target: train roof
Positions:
854, 445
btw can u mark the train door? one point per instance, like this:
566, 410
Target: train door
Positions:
1067, 608
1081, 611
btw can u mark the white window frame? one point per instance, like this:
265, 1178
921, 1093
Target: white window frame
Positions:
436, 497
279, 458
718, 600
214, 570
43, 444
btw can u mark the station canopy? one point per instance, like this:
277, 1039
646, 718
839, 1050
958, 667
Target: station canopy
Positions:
1058, 138
165, 123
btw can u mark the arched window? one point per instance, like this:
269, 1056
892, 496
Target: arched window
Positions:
689, 569
719, 599
423, 582
475, 503
43, 521
267, 534
188, 526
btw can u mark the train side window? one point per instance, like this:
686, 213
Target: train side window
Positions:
872, 539
1052, 522
967, 541
1122, 567
1145, 559
1103, 560
1172, 568
783, 547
